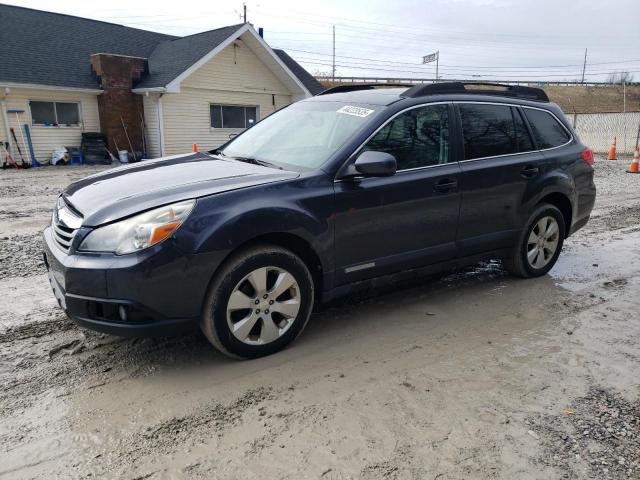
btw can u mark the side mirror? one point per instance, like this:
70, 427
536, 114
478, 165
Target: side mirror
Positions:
372, 164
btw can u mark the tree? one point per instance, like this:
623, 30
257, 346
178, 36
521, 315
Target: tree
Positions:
320, 73
620, 78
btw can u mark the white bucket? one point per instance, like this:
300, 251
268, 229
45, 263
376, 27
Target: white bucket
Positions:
124, 156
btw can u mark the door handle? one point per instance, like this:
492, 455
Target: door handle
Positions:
445, 185
529, 171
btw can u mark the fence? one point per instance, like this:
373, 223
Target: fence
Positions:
598, 129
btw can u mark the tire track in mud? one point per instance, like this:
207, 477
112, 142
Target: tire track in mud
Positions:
59, 323
56, 354
180, 432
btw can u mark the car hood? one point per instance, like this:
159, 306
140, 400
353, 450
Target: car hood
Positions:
127, 190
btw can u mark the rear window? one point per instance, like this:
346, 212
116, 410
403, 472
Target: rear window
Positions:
487, 130
546, 130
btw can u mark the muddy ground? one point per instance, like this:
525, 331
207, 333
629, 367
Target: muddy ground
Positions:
476, 375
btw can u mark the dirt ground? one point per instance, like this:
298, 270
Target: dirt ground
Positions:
477, 375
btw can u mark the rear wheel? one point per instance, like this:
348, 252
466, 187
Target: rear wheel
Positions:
259, 302
540, 243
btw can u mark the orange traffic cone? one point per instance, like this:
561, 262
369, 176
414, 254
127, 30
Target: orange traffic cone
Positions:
635, 163
612, 150
195, 147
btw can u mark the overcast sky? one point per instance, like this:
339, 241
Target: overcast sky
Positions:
480, 39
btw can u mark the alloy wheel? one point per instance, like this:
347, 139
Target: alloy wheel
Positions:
543, 242
263, 305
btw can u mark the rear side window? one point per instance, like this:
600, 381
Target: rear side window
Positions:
416, 138
546, 129
487, 130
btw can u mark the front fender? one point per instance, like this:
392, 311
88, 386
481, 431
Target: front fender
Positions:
222, 223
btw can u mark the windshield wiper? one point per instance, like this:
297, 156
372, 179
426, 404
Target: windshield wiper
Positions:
255, 161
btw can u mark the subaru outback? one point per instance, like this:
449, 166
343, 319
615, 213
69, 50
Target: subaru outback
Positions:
356, 187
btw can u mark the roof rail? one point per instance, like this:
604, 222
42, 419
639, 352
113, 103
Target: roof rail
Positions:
362, 86
516, 91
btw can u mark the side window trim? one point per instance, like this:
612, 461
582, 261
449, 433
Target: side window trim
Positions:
571, 136
528, 127
515, 111
380, 127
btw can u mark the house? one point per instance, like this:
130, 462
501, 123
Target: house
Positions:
70, 75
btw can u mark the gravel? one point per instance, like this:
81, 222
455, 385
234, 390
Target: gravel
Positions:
598, 433
21, 256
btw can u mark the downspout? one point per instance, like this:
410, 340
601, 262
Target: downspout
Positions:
161, 124
5, 119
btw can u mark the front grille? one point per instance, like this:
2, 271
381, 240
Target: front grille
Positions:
63, 236
65, 223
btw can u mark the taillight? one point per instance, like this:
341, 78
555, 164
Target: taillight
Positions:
587, 156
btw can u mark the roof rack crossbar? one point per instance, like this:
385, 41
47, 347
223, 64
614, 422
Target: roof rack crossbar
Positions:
362, 86
517, 91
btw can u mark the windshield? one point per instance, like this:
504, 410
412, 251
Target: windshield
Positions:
302, 136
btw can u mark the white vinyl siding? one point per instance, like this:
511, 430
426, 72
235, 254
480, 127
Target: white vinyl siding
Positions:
152, 125
236, 76
236, 68
187, 118
44, 138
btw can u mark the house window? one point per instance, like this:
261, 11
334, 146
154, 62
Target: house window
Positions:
233, 116
56, 114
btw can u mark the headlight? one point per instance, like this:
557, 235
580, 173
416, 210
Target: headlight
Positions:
139, 232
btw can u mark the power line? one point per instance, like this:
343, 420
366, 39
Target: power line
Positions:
365, 67
459, 66
340, 20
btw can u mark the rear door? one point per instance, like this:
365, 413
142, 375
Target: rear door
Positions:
408, 220
500, 164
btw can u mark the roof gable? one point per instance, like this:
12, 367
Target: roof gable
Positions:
173, 57
188, 49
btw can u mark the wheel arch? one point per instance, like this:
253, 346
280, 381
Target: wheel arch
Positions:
562, 203
290, 241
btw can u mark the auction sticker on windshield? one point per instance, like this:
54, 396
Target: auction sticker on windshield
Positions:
357, 111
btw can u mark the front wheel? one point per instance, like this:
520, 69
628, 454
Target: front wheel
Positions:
258, 303
540, 243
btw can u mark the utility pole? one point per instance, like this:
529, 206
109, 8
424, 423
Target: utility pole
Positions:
333, 69
584, 65
437, 63
244, 12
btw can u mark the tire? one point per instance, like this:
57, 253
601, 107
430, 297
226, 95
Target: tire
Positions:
524, 261
254, 277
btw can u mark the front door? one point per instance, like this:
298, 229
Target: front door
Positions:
408, 220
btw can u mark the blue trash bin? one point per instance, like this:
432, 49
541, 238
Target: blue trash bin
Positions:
75, 155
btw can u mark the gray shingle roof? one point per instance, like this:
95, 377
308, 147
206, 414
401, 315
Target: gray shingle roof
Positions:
53, 49
305, 77
47, 48
172, 57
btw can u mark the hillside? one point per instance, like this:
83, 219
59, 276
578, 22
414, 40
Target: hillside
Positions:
579, 98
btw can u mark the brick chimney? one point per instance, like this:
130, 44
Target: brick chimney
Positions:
117, 104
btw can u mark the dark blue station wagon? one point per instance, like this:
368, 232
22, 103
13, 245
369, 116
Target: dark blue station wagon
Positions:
358, 186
